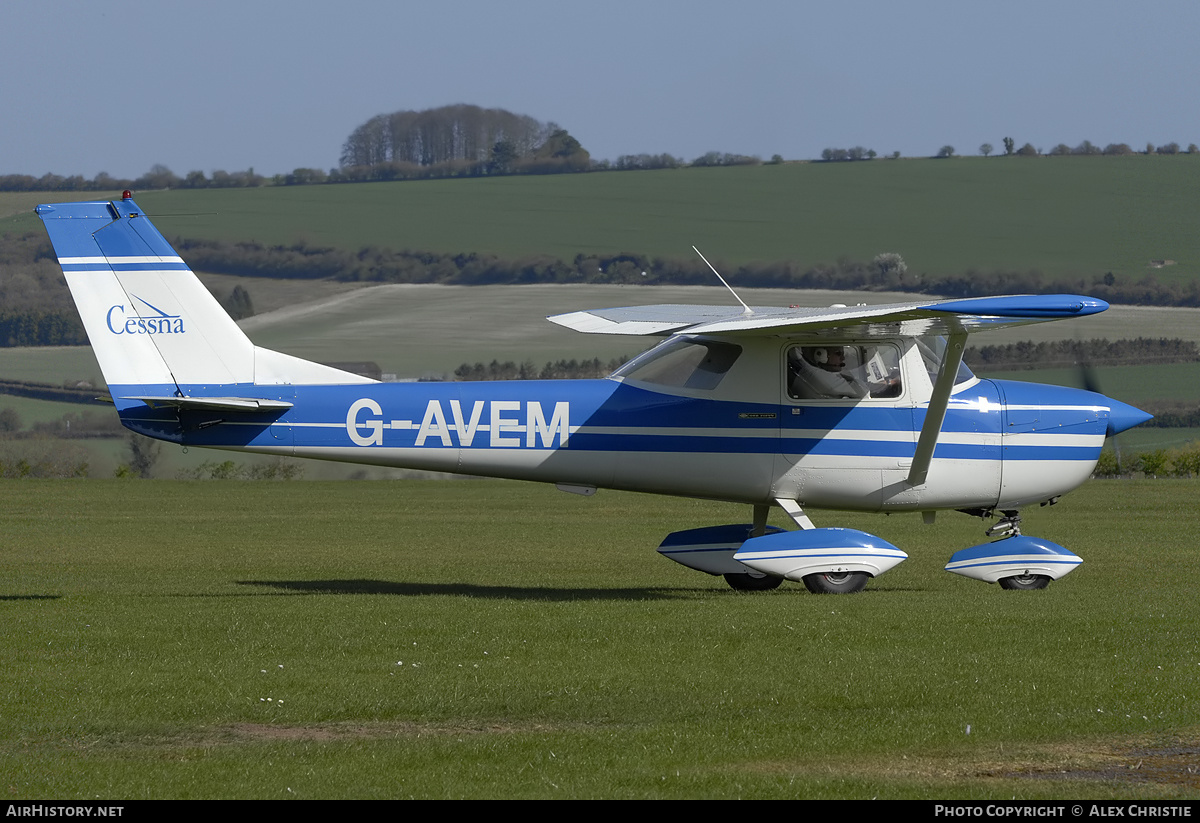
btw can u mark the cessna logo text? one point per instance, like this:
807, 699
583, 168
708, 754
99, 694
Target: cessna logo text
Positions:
483, 423
158, 323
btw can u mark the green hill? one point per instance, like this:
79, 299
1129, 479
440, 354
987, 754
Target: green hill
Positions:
1066, 217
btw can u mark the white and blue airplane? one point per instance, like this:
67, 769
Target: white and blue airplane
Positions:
862, 408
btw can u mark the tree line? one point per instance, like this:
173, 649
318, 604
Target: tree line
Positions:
562, 154
159, 177
1086, 148
470, 141
39, 328
1067, 353
572, 369
1179, 462
450, 141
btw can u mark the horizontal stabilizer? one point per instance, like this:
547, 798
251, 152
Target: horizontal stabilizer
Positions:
238, 404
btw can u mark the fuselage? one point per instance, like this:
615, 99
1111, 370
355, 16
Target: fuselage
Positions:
727, 427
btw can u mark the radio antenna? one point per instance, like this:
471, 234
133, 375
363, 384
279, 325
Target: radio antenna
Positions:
748, 310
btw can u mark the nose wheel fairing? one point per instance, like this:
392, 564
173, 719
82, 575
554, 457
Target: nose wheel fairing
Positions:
1017, 556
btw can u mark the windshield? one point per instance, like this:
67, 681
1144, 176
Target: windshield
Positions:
683, 363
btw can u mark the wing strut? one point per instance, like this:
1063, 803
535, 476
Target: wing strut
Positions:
936, 412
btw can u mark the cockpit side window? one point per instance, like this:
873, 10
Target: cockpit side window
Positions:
843, 372
683, 363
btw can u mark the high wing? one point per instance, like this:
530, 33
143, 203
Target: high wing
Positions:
944, 317
954, 319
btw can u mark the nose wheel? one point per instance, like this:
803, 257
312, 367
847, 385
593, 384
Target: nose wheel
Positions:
1024, 582
836, 582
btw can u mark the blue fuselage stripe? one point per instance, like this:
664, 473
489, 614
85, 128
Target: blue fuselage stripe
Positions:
608, 416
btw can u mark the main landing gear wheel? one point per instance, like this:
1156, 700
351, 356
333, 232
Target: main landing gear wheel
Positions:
836, 582
1027, 582
750, 583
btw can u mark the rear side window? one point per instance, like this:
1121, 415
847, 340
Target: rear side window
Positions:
683, 364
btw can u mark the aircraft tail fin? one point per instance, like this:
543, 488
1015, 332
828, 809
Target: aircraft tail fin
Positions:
151, 322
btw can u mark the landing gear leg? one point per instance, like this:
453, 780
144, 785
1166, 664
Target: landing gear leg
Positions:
1007, 526
753, 583
760, 520
756, 581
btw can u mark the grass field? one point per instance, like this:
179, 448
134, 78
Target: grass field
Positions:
1067, 217
489, 639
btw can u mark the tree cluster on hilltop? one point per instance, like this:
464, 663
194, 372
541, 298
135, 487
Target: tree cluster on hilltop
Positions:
433, 136
463, 140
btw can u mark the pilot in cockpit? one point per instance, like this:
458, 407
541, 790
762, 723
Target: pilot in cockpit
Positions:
843, 372
820, 371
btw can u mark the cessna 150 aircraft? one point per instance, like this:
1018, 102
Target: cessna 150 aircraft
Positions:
866, 408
